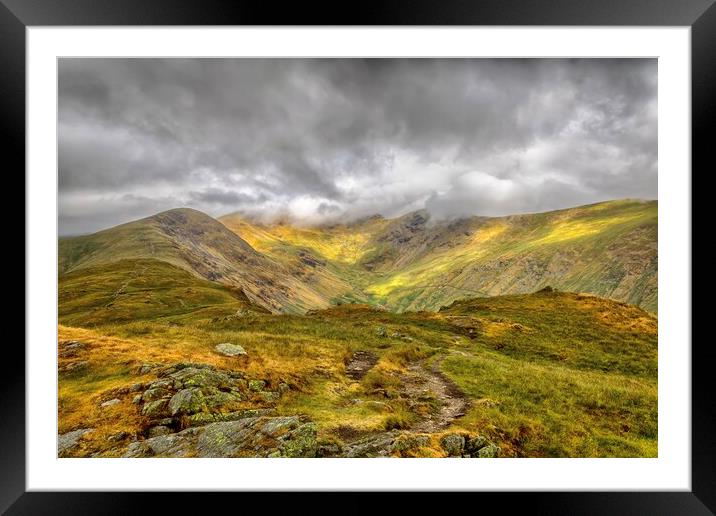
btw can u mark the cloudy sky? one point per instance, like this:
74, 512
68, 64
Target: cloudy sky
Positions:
323, 140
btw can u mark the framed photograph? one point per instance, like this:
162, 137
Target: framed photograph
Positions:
420, 249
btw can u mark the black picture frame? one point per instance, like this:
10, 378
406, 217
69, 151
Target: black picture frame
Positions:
16, 15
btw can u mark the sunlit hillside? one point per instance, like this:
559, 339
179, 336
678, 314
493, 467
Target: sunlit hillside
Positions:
415, 263
541, 375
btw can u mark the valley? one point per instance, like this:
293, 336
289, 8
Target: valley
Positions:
532, 335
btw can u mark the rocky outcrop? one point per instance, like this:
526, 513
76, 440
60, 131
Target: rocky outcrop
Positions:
409, 444
190, 406
69, 441
193, 394
247, 437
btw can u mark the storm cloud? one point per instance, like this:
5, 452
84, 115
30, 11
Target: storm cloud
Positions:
324, 140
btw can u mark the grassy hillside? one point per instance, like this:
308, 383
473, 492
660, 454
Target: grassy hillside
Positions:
608, 249
414, 263
197, 243
382, 337
136, 290
545, 374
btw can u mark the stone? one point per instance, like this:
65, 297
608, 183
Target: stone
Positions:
286, 437
203, 418
158, 408
221, 400
119, 436
257, 385
74, 367
473, 444
202, 377
230, 350
137, 399
277, 426
370, 446
170, 445
68, 441
406, 444
144, 369
328, 450
111, 403
453, 444
163, 383
156, 431
187, 401
155, 393
302, 442
489, 452
380, 331
70, 348
135, 387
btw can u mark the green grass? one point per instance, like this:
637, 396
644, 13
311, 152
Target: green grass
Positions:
545, 410
548, 374
137, 290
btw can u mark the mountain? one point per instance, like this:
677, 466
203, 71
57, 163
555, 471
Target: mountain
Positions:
197, 243
404, 264
416, 263
180, 335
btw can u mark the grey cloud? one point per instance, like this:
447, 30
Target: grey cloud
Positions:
225, 197
322, 139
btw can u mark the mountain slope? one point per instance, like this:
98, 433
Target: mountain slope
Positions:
549, 374
414, 263
195, 242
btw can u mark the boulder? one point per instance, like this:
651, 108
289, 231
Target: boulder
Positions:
119, 436
230, 350
407, 444
187, 401
473, 444
68, 441
170, 445
222, 400
248, 437
489, 452
70, 348
257, 385
301, 443
74, 367
111, 403
371, 446
204, 418
155, 409
156, 431
155, 393
453, 444
202, 377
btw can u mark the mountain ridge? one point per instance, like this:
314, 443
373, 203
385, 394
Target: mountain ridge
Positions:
412, 262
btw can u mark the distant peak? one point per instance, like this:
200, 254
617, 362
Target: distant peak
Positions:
182, 211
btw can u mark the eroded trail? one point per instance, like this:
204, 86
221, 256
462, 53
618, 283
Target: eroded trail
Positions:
424, 380
421, 380
361, 362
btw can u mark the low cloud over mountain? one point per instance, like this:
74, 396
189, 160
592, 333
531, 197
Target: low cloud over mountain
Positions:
336, 139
